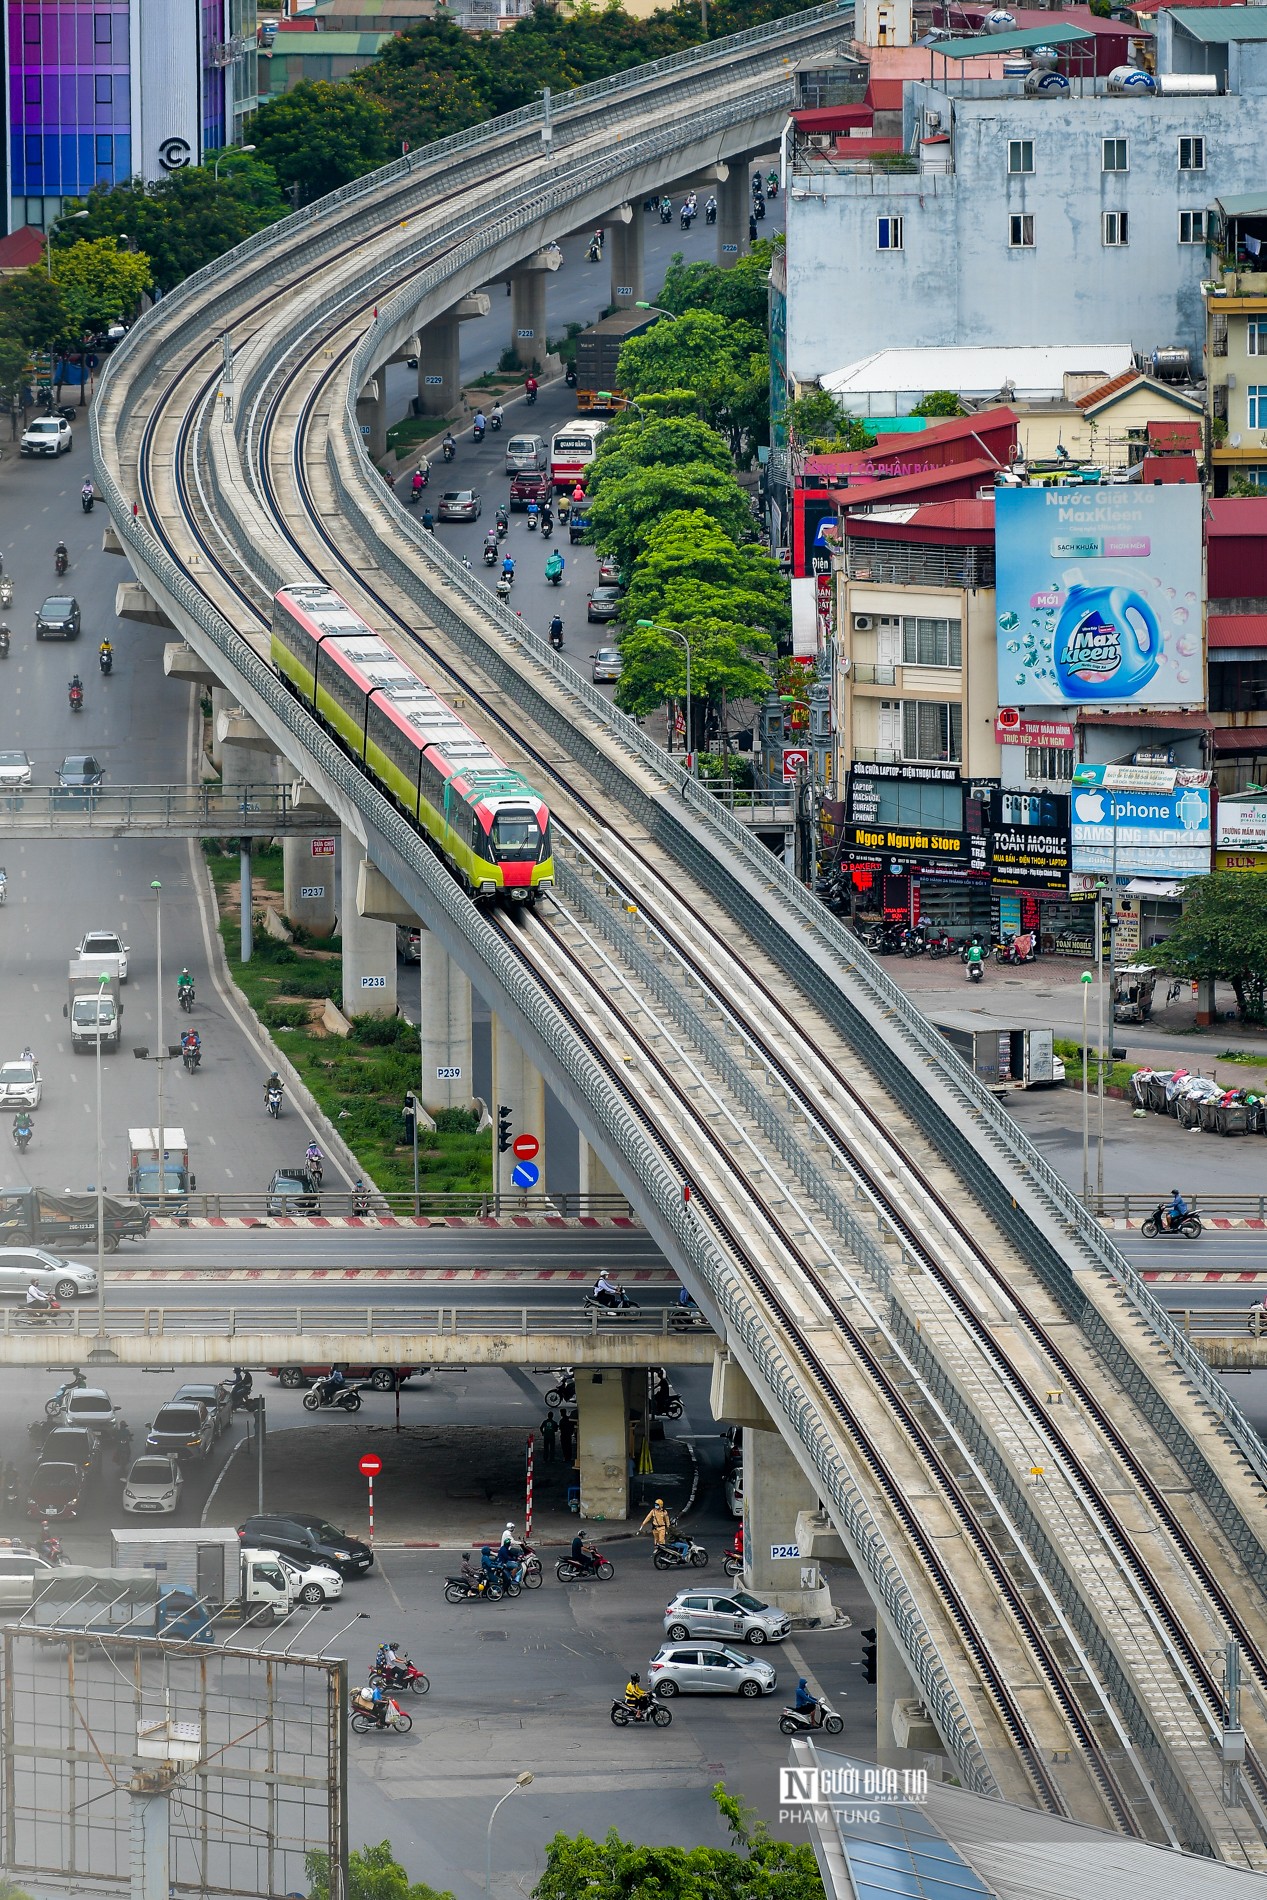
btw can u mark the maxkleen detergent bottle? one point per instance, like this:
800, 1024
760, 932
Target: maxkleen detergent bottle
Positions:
1108, 643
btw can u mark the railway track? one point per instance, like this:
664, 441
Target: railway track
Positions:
1090, 1684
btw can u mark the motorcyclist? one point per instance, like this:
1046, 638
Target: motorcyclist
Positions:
76, 688
510, 1545
192, 1041
666, 205
105, 651
183, 982
428, 521
360, 1197
59, 552
534, 514
37, 1300
479, 425
239, 1390
502, 520
530, 385
606, 1292
710, 209
374, 1703
583, 1555
555, 563
547, 518
1177, 1211
449, 447
556, 631
274, 1082
418, 483
22, 1123
806, 1703
333, 1382
975, 959
660, 1523
497, 415
508, 568
771, 183
315, 1159
88, 492
635, 1695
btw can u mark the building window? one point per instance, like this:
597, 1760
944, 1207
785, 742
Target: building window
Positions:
1218, 334
104, 88
33, 152
888, 234
1113, 155
30, 29
1048, 762
1237, 685
1255, 337
1113, 227
1256, 399
932, 731
1020, 155
1192, 227
32, 87
1020, 232
929, 642
105, 149
1192, 155
101, 29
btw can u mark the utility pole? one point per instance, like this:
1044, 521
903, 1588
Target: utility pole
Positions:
1232, 1741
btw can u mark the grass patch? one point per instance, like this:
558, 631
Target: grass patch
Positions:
1243, 1055
359, 1080
1116, 1076
410, 429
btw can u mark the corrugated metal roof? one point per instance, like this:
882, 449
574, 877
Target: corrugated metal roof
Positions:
1243, 204
1029, 369
1243, 515
1237, 630
1169, 470
1219, 26
1174, 438
1013, 42
1152, 721
1240, 738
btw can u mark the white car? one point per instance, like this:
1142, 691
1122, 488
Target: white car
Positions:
20, 1085
312, 1583
107, 950
47, 435
64, 1279
154, 1484
708, 1668
15, 768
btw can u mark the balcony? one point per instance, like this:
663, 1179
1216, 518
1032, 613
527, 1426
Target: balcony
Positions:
865, 674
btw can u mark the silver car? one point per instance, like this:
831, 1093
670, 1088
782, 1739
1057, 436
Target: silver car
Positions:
64, 1279
15, 769
20, 1085
458, 504
728, 1613
153, 1486
708, 1669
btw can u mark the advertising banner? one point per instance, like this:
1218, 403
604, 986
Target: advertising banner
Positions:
1147, 834
1099, 596
1252, 862
1029, 840
1242, 824
1013, 728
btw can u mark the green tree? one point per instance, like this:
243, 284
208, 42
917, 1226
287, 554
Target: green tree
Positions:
625, 510
373, 1874
816, 421
740, 293
725, 362
939, 402
755, 1867
636, 442
182, 222
32, 309
14, 363
691, 564
100, 281
1222, 937
320, 136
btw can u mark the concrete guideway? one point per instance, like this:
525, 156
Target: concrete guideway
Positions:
829, 1234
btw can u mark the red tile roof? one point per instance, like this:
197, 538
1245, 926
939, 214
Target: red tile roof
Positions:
885, 95
22, 248
1240, 738
1237, 514
1236, 630
1103, 391
1174, 438
1157, 721
975, 474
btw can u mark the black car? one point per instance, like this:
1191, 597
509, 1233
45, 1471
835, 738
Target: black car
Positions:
293, 1191
72, 1445
214, 1397
80, 772
54, 1490
186, 1430
58, 618
308, 1539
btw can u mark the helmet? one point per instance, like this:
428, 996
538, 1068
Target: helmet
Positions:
635, 1677
486, 1550
510, 1527
184, 971
659, 1504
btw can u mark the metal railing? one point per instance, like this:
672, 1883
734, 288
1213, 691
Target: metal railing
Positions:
400, 1205
303, 1321
1139, 1206
192, 810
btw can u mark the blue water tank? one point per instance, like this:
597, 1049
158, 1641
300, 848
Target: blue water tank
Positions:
1131, 79
1043, 85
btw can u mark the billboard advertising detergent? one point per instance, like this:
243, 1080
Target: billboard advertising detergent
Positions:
1099, 596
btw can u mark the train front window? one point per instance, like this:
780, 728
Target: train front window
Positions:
517, 836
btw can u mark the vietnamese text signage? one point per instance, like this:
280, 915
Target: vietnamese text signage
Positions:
1029, 840
1242, 824
1142, 834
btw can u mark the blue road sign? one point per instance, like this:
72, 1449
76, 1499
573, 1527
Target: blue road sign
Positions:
526, 1174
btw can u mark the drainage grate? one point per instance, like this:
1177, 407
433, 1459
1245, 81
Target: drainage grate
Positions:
492, 1636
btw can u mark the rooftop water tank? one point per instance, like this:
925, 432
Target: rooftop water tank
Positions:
1015, 66
1173, 365
1000, 22
1043, 85
1131, 79
1044, 58
1188, 84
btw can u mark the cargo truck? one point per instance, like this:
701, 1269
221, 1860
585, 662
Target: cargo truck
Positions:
597, 355
36, 1217
212, 1566
77, 1603
92, 1006
160, 1172
1001, 1056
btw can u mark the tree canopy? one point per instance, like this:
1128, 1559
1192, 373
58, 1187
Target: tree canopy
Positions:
816, 421
1222, 936
738, 294
756, 1867
33, 310
373, 1874
100, 282
321, 135
939, 402
625, 509
725, 361
636, 442
182, 222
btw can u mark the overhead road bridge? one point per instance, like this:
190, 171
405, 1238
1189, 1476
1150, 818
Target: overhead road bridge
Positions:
1056, 1507
157, 811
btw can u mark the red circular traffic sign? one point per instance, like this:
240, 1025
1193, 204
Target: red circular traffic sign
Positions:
525, 1147
371, 1465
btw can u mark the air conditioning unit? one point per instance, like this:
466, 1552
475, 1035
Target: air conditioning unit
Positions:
863, 623
932, 121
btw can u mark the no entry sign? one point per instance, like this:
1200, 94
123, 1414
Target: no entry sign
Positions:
525, 1147
371, 1465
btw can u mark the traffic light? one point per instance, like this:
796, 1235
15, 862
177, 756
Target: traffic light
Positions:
410, 1113
503, 1128
868, 1655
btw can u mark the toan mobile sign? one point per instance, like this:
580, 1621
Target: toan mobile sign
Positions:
1099, 596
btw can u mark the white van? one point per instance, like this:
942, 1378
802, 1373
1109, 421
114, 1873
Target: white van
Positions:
525, 452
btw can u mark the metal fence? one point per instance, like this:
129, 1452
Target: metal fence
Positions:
384, 1208
303, 1319
1213, 1206
199, 811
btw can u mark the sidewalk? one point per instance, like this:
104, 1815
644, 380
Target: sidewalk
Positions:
442, 1487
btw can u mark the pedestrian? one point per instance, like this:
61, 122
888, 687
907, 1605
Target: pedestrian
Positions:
660, 1523
549, 1431
567, 1436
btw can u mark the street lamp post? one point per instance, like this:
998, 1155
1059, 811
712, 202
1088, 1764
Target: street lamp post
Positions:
656, 627
67, 217
160, 1135
659, 309
1087, 979
101, 1192
518, 1786
229, 152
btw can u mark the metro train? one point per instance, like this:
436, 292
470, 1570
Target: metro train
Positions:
488, 824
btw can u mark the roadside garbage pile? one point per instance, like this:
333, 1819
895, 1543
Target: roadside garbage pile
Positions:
1196, 1102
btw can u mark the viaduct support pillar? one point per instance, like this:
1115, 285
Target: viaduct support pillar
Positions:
521, 1088
732, 216
446, 1028
905, 1736
528, 319
594, 1177
439, 367
775, 1492
602, 1406
369, 941
308, 866
624, 234
371, 414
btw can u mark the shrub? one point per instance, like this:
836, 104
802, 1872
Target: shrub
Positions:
457, 1121
381, 1032
284, 1016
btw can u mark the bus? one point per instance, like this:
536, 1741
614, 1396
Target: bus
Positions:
573, 449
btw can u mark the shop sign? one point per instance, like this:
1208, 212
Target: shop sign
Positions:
1125, 936
1242, 822
912, 843
1029, 840
1012, 728
1242, 861
1142, 834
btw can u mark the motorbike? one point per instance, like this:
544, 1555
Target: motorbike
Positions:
534, 519
503, 528
913, 944
448, 450
85, 502
4, 887
569, 375
477, 431
401, 1675
732, 1562
316, 1167
666, 214
771, 187
710, 214
105, 660
470, 1589
502, 589
622, 1305
976, 972
652, 1710
346, 1397
22, 1138
884, 939
798, 1722
191, 1056
967, 945
563, 1391
364, 1719
940, 945
682, 1319
360, 1205
273, 1103
567, 1570
530, 395
241, 1392
758, 208
6, 591
4, 643
1008, 950
681, 1553
61, 560
51, 1315
53, 1406
1157, 1226
490, 556
51, 1551
76, 697
554, 572
547, 521
495, 422
525, 1565
556, 637
187, 998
